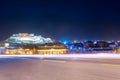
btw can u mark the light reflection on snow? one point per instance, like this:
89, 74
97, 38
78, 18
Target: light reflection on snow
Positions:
99, 55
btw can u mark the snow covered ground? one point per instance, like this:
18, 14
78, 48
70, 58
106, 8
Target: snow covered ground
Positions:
67, 56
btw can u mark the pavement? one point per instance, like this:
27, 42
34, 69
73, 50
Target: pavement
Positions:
53, 69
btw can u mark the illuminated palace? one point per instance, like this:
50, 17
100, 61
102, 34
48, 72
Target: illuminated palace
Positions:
24, 43
28, 39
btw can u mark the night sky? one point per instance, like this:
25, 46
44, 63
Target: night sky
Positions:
61, 19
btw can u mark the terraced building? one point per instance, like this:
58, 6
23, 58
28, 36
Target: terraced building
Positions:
24, 43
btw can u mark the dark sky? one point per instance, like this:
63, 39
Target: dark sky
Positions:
61, 19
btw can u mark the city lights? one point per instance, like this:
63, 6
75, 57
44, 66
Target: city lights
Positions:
24, 43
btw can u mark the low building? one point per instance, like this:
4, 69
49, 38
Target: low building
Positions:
52, 51
49, 48
18, 51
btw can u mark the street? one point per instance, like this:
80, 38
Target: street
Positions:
49, 69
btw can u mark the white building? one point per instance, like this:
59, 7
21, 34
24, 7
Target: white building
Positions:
28, 38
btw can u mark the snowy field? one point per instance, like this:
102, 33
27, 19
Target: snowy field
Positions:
67, 56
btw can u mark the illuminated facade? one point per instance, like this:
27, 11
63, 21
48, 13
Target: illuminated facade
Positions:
18, 51
53, 51
29, 51
24, 43
28, 38
49, 48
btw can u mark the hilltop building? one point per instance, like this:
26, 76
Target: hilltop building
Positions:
28, 39
24, 43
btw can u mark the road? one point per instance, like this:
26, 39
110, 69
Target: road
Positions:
45, 69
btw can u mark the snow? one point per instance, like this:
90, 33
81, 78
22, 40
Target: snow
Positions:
64, 56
